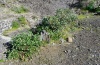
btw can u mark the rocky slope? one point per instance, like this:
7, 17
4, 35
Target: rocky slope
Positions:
37, 8
85, 50
41, 7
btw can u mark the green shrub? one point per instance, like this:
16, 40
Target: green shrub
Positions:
55, 24
98, 9
23, 46
15, 24
59, 26
62, 17
90, 5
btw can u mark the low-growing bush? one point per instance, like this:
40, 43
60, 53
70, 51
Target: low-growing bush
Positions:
23, 46
63, 20
62, 17
58, 26
90, 5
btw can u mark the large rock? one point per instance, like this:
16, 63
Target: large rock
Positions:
70, 39
3, 39
6, 24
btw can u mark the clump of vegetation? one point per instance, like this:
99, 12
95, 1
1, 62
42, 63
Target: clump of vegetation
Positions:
15, 24
91, 5
1, 60
23, 46
20, 22
59, 26
20, 9
63, 20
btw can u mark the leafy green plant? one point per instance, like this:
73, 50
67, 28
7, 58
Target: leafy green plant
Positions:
62, 17
98, 9
59, 26
23, 46
64, 21
90, 5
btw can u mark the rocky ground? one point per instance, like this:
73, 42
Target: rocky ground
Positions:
36, 8
40, 7
3, 39
85, 50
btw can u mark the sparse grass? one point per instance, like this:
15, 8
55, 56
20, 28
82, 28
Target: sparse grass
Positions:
1, 60
80, 17
2, 5
20, 9
15, 24
22, 21
6, 32
84, 16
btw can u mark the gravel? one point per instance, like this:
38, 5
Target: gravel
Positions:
46, 7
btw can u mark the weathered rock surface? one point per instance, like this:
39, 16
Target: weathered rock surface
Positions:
3, 40
46, 7
6, 24
39, 7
